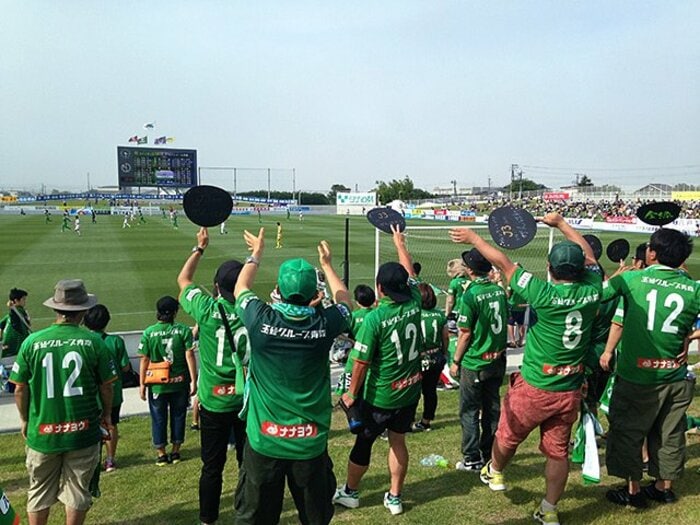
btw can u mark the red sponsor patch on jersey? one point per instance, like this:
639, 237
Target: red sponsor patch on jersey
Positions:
562, 370
67, 427
491, 356
304, 430
224, 390
407, 381
654, 363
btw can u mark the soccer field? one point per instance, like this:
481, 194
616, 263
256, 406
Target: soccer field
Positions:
129, 269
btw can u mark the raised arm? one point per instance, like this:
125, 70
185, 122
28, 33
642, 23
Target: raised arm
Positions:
557, 221
186, 275
339, 291
495, 256
256, 245
405, 258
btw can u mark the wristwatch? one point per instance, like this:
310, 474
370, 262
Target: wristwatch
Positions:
199, 250
252, 259
456, 363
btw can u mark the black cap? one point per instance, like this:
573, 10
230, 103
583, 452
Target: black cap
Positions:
474, 260
167, 305
226, 277
394, 281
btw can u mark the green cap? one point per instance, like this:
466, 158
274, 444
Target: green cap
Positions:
297, 280
567, 254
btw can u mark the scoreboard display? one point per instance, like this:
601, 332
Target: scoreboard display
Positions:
156, 167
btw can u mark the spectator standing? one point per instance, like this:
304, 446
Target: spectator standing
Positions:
171, 342
59, 373
288, 407
221, 373
480, 360
652, 389
96, 319
15, 327
547, 392
387, 370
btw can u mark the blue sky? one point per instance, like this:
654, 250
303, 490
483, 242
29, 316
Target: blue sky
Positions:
355, 92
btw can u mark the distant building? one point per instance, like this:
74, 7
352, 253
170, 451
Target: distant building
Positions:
662, 190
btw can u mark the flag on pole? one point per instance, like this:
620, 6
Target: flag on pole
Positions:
170, 140
159, 140
135, 138
149, 125
143, 140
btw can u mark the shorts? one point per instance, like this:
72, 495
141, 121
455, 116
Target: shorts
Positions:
115, 414
516, 317
526, 407
61, 477
377, 420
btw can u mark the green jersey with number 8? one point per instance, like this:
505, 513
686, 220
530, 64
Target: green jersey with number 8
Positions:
221, 379
557, 344
660, 305
390, 341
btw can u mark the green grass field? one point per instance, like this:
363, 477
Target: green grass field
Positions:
130, 269
139, 493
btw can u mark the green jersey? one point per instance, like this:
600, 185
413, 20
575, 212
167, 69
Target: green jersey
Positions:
168, 342
358, 317
457, 287
484, 310
432, 325
119, 356
221, 372
557, 344
63, 366
390, 342
287, 403
516, 303
660, 305
14, 331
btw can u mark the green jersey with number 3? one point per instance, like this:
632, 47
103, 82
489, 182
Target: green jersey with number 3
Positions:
484, 310
557, 344
63, 366
390, 341
168, 342
660, 305
221, 374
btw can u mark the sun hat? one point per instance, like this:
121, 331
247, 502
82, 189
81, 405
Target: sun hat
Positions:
70, 295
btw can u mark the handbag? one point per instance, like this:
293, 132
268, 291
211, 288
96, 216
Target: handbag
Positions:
157, 373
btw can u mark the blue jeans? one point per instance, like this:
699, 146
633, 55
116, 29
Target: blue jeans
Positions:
158, 405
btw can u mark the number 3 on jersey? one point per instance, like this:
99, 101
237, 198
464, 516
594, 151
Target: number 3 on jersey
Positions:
410, 333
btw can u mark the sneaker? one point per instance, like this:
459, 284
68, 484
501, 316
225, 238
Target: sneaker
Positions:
162, 460
194, 426
110, 465
419, 426
393, 503
495, 480
384, 435
621, 496
174, 458
347, 498
471, 466
662, 496
546, 518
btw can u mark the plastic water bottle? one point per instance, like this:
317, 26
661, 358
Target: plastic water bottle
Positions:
434, 460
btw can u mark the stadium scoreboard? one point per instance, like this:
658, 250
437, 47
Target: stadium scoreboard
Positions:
156, 167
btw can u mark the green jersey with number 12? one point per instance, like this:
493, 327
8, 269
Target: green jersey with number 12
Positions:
390, 341
660, 305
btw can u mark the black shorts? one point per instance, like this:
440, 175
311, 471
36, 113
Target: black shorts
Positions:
115, 413
377, 420
516, 317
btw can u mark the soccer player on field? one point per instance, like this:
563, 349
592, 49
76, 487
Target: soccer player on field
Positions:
288, 403
480, 360
279, 236
65, 225
221, 373
47, 216
76, 227
387, 370
653, 389
547, 392
59, 373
